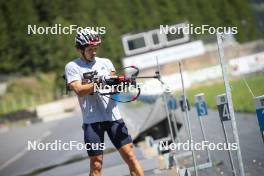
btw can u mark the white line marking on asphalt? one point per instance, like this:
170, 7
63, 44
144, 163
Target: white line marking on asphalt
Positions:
25, 150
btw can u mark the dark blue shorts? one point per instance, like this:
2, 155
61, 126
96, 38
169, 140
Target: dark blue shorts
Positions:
94, 135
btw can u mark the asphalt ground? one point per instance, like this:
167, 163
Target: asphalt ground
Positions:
17, 160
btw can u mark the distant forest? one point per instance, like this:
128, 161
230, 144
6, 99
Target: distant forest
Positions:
26, 54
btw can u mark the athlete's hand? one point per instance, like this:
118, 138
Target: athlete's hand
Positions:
110, 80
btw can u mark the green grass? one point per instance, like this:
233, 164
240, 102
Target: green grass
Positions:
27, 92
242, 98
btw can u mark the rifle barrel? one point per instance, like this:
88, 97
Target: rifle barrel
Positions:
142, 77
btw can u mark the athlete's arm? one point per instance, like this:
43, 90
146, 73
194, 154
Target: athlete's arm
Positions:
82, 89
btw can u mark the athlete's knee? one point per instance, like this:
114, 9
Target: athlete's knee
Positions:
130, 158
96, 163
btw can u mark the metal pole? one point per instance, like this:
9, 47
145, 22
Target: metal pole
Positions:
164, 94
204, 138
185, 123
230, 102
168, 116
188, 120
175, 125
164, 97
229, 152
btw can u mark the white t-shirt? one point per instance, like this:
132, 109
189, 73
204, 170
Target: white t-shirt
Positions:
95, 108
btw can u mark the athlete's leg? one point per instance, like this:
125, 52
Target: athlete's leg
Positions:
93, 136
96, 163
129, 156
117, 132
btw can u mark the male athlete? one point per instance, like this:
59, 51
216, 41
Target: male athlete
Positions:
100, 114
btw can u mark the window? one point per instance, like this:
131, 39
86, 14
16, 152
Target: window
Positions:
154, 39
176, 35
136, 43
